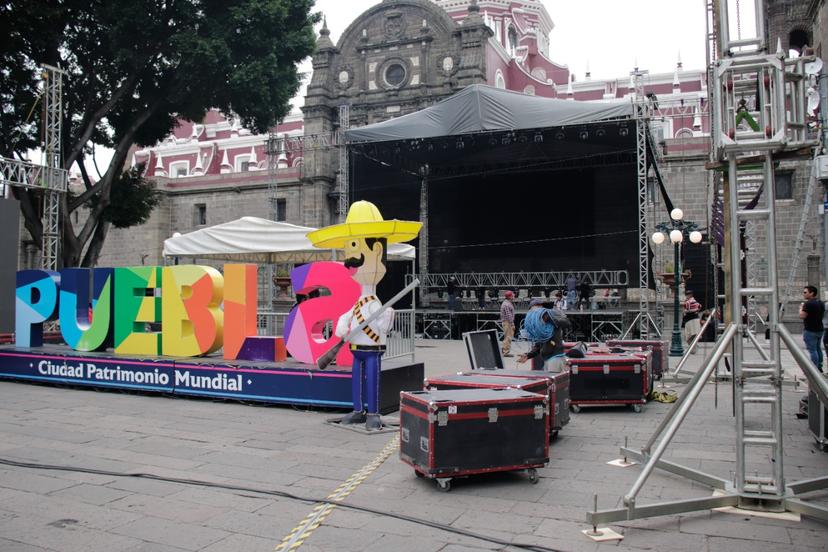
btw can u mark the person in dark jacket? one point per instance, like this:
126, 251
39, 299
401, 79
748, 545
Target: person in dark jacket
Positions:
811, 312
545, 327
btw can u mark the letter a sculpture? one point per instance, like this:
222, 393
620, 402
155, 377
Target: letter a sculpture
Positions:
365, 237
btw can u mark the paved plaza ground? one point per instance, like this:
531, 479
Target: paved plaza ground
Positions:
291, 450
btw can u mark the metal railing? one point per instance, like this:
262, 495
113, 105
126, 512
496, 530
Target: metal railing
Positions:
399, 343
271, 323
400, 340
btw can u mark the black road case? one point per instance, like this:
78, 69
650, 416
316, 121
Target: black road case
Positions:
453, 433
659, 349
614, 379
489, 379
558, 392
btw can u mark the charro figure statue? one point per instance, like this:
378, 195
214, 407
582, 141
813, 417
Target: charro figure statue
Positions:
365, 237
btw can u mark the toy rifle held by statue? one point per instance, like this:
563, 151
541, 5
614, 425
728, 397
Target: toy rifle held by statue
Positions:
323, 361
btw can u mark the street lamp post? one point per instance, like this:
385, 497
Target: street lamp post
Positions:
676, 229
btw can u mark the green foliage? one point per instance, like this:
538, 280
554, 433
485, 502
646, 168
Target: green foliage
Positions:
132, 199
135, 66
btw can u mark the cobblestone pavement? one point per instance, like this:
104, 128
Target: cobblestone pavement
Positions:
291, 450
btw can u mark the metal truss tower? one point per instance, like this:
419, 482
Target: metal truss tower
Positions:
54, 180
344, 169
273, 149
50, 176
758, 112
642, 128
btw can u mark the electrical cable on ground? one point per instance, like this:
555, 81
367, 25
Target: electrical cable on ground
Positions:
281, 494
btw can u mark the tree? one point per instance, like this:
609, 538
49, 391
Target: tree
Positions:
135, 67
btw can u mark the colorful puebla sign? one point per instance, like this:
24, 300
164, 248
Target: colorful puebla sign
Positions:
116, 308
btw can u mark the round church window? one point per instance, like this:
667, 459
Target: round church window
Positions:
395, 74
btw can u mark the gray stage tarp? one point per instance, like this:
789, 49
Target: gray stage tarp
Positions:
481, 108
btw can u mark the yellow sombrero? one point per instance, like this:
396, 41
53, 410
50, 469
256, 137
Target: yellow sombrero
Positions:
364, 221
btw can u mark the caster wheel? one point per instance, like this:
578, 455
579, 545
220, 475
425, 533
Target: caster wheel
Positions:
444, 485
575, 408
533, 475
418, 474
636, 408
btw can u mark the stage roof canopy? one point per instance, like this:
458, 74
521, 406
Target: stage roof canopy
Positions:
481, 108
257, 240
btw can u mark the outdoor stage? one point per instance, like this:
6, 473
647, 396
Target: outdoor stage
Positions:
506, 182
288, 382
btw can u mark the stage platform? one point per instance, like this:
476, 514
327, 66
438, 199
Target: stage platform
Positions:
287, 382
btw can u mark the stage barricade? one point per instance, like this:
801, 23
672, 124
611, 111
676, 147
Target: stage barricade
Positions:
400, 340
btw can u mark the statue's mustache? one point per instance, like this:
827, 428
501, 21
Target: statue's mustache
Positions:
355, 262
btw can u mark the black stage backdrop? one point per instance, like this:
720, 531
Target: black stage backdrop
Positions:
533, 201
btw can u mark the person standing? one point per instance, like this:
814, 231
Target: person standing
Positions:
451, 289
559, 302
507, 320
811, 312
585, 295
571, 286
691, 320
825, 332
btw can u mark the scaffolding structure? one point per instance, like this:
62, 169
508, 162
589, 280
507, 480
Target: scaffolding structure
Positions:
344, 170
50, 176
779, 124
642, 130
534, 281
274, 149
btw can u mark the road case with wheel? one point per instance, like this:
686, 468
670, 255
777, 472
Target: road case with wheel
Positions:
486, 380
558, 392
659, 349
615, 379
459, 432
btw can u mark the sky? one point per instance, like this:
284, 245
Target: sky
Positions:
608, 36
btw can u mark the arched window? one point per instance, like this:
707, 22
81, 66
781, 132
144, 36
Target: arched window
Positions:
243, 163
512, 40
500, 82
179, 169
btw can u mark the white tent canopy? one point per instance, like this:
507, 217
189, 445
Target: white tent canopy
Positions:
256, 240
